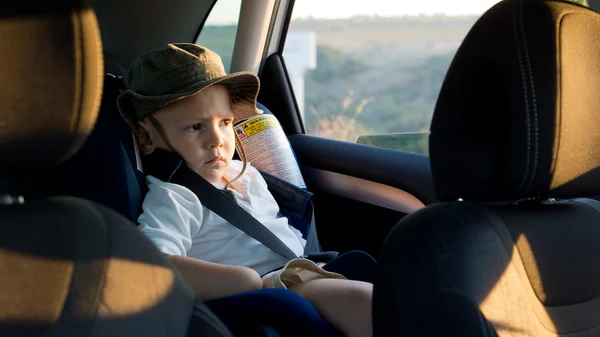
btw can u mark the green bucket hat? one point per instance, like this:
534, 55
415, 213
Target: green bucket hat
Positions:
179, 70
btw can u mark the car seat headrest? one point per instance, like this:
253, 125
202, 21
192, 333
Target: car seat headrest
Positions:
518, 115
52, 74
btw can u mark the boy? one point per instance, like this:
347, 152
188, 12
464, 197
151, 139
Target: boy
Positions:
179, 99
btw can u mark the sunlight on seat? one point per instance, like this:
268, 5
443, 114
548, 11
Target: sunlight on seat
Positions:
33, 276
512, 306
37, 289
132, 287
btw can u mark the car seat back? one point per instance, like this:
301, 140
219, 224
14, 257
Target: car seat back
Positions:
68, 266
107, 169
516, 125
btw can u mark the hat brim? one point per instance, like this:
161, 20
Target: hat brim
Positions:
244, 88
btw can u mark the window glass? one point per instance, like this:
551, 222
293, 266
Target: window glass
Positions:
370, 71
220, 28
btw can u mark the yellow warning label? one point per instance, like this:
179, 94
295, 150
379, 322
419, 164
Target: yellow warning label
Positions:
259, 124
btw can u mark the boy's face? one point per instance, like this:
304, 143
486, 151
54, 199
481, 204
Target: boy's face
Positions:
199, 128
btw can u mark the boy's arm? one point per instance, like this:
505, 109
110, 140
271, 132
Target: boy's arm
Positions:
211, 280
170, 219
171, 216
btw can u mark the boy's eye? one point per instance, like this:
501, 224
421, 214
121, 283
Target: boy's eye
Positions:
227, 122
194, 127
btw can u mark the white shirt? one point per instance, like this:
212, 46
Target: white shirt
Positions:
175, 220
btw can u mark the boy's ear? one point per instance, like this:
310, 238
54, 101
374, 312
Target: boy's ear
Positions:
144, 138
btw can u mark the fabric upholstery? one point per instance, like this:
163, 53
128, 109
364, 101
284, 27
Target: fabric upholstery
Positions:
72, 267
517, 113
527, 270
563, 276
517, 120
105, 170
54, 54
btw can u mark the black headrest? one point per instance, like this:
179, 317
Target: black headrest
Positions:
51, 73
518, 115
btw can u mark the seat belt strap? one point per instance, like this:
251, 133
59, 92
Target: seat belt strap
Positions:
217, 201
297, 205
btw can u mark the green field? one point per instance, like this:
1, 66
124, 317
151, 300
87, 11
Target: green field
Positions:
374, 75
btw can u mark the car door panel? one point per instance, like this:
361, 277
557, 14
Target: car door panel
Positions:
407, 171
354, 213
361, 192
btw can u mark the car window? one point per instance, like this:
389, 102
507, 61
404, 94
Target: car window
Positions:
370, 71
220, 28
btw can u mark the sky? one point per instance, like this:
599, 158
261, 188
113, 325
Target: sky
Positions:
226, 11
347, 8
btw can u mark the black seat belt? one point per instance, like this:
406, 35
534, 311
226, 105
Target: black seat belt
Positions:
217, 201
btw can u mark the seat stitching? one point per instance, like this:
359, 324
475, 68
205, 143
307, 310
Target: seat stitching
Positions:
527, 119
533, 100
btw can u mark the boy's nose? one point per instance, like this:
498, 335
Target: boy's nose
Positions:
216, 138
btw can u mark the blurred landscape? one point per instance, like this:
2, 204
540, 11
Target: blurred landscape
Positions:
374, 75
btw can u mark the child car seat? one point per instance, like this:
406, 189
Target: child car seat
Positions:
106, 171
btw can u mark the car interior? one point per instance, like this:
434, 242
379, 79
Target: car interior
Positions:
491, 233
